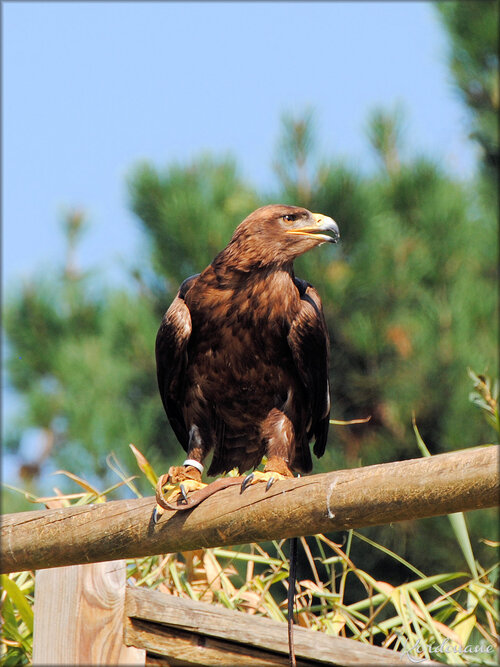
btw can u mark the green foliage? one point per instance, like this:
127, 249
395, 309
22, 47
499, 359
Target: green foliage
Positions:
189, 213
295, 146
473, 29
485, 397
385, 132
457, 519
17, 619
84, 365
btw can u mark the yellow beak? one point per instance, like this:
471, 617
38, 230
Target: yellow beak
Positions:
323, 224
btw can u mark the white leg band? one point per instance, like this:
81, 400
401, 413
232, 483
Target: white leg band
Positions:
195, 464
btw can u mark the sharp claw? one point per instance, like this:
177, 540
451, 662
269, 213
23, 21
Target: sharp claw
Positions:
157, 514
246, 482
183, 493
269, 483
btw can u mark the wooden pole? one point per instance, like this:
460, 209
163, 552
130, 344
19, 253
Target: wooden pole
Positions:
79, 617
373, 495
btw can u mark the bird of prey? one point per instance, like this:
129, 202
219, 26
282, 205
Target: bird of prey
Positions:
242, 354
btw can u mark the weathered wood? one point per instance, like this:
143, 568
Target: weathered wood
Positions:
79, 617
153, 660
188, 649
384, 493
201, 634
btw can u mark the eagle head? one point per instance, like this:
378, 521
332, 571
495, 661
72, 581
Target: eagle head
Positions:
277, 234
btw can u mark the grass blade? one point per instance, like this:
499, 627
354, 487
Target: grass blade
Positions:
457, 519
19, 600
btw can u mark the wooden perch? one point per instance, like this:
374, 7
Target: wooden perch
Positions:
339, 500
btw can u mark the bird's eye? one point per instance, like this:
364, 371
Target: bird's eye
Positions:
289, 218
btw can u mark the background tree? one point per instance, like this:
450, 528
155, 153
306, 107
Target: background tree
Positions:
473, 58
81, 358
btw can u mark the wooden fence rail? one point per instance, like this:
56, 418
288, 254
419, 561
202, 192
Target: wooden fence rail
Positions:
87, 615
372, 495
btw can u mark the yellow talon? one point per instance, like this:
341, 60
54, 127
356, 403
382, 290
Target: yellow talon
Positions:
182, 489
258, 476
179, 490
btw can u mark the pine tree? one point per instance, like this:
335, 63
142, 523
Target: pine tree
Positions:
473, 29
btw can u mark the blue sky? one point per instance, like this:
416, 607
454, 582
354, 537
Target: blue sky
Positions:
89, 89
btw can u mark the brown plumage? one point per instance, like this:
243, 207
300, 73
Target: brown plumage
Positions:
242, 352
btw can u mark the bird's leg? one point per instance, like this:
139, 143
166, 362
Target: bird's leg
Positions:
181, 480
278, 433
275, 468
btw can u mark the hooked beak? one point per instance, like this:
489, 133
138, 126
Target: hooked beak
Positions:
323, 224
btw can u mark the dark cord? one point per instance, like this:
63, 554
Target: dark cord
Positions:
292, 578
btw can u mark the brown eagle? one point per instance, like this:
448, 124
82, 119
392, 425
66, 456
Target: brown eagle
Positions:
242, 353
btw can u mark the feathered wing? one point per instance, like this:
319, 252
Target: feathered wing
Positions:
171, 359
309, 343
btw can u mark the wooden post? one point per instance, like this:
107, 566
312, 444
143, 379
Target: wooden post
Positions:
339, 500
79, 614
